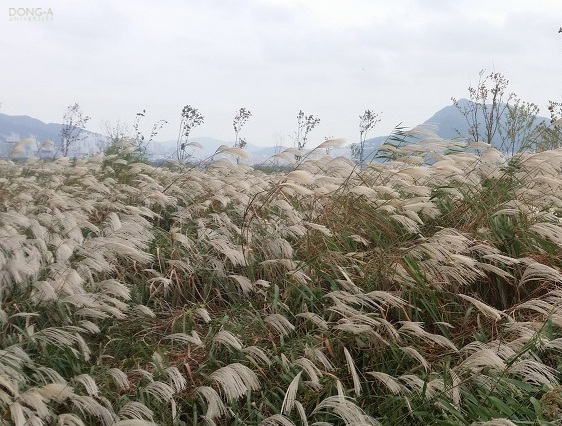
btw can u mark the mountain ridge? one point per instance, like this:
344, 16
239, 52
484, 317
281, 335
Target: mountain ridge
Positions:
450, 122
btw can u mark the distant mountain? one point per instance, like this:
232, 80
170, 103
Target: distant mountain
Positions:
26, 126
452, 124
448, 122
24, 136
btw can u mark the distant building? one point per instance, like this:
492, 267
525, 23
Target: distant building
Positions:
14, 146
8, 143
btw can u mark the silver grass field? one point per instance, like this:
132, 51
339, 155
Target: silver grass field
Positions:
425, 289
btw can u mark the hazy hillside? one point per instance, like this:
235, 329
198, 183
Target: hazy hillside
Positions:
26, 126
452, 124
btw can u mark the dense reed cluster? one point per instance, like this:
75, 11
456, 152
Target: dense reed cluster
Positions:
425, 289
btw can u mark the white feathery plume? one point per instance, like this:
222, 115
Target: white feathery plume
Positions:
412, 382
345, 409
495, 422
237, 152
535, 372
311, 370
290, 395
301, 176
64, 251
555, 344
435, 387
114, 288
359, 239
34, 400
283, 205
261, 283
455, 388
178, 382
276, 420
256, 355
235, 380
49, 376
292, 188
316, 354
353, 372
16, 413
285, 363
245, 284
119, 377
128, 251
386, 191
409, 225
203, 314
377, 298
536, 271
215, 406
413, 353
113, 222
143, 311
413, 216
163, 392
415, 329
134, 422
56, 336
339, 388
68, 419
331, 143
88, 327
183, 337
483, 358
387, 380
320, 228
11, 387
228, 339
302, 413
279, 323
487, 310
87, 404
315, 319
279, 248
88, 382
135, 410
537, 305
364, 190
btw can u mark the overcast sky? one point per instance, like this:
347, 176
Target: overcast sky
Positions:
330, 58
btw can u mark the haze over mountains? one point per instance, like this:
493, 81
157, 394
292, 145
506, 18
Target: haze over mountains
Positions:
449, 124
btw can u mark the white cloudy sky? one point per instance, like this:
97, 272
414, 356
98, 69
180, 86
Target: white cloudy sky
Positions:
330, 58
